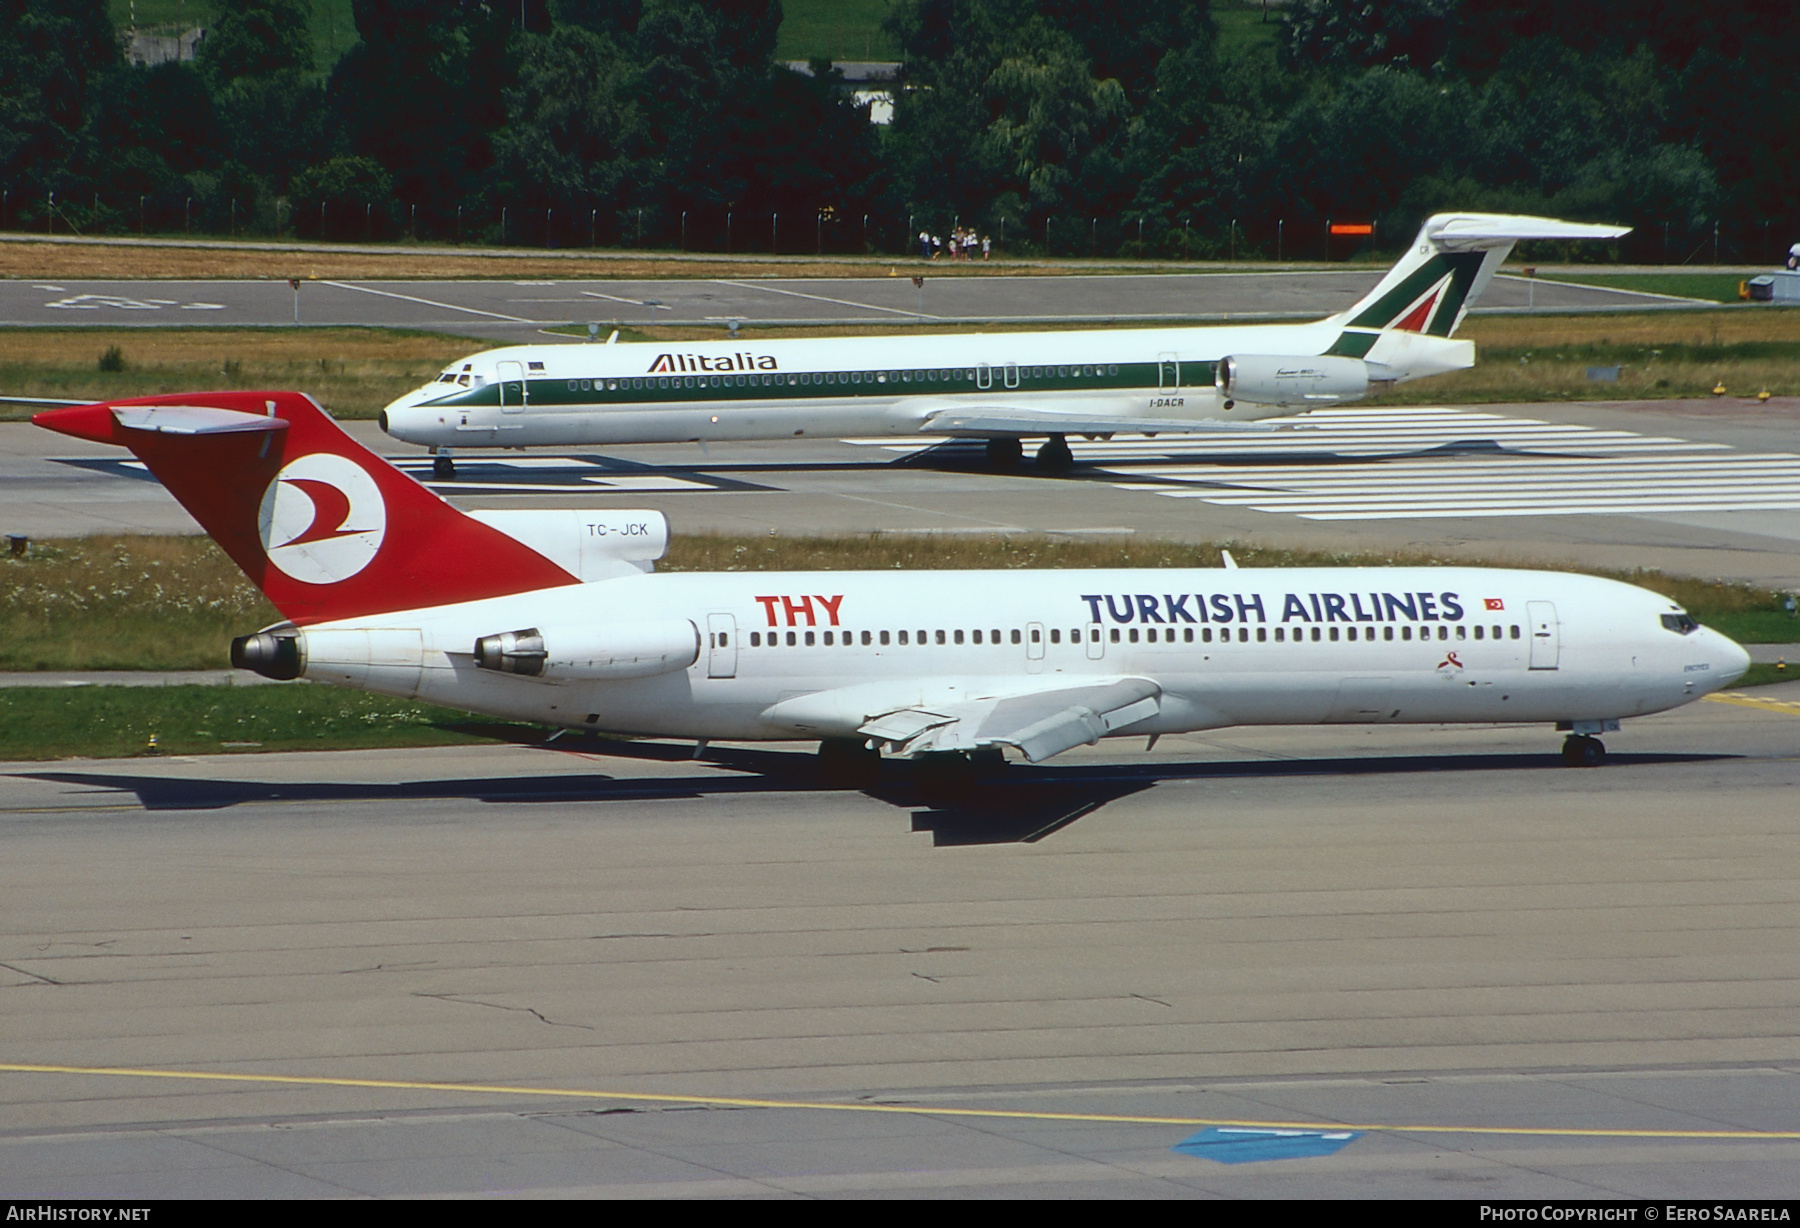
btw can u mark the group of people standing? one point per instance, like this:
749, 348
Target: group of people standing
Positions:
961, 245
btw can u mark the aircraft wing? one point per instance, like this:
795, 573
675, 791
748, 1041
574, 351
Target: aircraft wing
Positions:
1040, 716
992, 420
1040, 724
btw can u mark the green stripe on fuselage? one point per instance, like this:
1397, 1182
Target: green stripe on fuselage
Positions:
1138, 377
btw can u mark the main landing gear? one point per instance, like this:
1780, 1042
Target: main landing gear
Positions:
849, 763
442, 467
1580, 750
1054, 456
945, 776
1005, 452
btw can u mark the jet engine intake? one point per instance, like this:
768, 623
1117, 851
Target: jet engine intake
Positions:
606, 651
1321, 380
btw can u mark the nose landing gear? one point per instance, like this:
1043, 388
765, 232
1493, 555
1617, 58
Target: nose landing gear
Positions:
1580, 750
442, 467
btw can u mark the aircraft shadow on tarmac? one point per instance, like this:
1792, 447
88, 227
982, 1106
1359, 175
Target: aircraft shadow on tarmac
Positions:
1024, 804
603, 473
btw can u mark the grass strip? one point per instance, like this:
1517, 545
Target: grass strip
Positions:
115, 722
1714, 287
353, 372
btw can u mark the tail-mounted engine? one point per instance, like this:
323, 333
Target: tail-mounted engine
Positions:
269, 654
1321, 380
604, 652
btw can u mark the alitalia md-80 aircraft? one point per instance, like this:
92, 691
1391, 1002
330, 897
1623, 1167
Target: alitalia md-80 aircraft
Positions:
1001, 387
556, 617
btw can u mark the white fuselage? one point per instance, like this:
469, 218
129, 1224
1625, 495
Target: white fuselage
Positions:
957, 384
818, 654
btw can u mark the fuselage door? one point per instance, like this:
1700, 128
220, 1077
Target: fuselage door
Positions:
1546, 646
1096, 642
512, 387
984, 375
1034, 648
721, 646
1168, 372
1011, 373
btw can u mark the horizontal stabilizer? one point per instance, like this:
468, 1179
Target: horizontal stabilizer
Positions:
1464, 231
193, 419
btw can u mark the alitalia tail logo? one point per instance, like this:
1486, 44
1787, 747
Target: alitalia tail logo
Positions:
713, 362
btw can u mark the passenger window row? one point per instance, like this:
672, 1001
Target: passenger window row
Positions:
1127, 635
935, 375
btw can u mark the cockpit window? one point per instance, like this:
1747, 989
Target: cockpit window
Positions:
1680, 624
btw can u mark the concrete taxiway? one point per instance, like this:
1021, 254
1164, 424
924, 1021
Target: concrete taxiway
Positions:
516, 310
1419, 934
1692, 488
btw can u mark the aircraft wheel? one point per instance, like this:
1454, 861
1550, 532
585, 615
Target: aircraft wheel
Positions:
443, 468
849, 763
1583, 751
1004, 453
941, 776
1054, 456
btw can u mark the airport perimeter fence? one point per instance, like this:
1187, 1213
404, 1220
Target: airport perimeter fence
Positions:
710, 228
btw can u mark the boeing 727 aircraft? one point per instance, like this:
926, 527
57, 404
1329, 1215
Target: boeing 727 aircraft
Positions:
557, 617
1001, 387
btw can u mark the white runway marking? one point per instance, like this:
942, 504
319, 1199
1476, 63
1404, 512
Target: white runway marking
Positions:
1414, 463
821, 298
413, 298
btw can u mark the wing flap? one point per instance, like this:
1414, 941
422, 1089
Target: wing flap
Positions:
1006, 420
905, 725
1039, 723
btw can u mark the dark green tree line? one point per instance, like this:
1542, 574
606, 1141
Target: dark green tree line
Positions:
1065, 124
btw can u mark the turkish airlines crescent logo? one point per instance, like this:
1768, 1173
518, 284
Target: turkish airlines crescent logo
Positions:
322, 519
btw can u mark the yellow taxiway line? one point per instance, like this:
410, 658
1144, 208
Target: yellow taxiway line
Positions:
1786, 707
914, 1110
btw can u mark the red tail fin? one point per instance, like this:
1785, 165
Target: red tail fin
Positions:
322, 525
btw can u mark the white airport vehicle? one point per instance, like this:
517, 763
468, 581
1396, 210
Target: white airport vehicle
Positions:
1002, 387
557, 617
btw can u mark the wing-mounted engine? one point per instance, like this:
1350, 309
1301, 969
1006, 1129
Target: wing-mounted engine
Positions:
593, 652
598, 545
1319, 380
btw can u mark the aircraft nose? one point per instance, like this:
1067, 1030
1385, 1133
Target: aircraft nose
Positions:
1730, 661
399, 417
